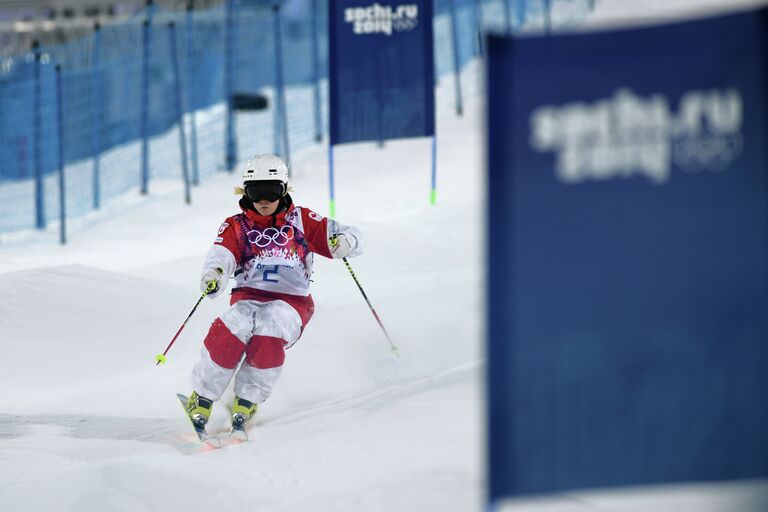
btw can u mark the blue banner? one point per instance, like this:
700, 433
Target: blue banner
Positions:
628, 257
381, 78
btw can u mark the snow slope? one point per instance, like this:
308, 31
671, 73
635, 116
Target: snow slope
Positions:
89, 423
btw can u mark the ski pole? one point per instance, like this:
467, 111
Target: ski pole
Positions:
160, 358
375, 315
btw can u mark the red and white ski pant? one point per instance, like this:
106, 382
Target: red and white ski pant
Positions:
254, 333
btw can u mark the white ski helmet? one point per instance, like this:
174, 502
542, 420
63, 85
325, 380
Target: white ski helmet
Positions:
265, 167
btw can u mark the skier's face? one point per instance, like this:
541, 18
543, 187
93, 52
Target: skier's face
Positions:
265, 207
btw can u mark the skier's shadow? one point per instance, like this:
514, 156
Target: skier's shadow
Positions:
149, 430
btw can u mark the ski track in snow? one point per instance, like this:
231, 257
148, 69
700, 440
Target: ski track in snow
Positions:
125, 451
166, 430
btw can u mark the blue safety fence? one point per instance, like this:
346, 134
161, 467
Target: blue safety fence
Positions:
124, 92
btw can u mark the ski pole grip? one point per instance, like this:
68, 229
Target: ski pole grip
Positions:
212, 285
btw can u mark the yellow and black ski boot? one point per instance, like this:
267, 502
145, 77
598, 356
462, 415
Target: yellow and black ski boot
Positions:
199, 409
242, 412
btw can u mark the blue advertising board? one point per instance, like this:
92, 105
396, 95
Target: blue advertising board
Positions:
628, 257
381, 80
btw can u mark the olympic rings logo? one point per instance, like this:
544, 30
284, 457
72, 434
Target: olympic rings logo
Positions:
404, 24
280, 237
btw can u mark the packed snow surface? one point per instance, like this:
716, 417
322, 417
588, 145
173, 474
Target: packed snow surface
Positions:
88, 422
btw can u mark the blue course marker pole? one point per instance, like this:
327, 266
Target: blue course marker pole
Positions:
179, 110
37, 122
147, 42
280, 84
60, 137
380, 101
456, 62
548, 16
316, 74
192, 105
433, 193
96, 114
229, 57
331, 182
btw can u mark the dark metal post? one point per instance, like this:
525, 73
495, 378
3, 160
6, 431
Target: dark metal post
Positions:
37, 136
456, 61
477, 12
508, 15
229, 56
280, 85
179, 109
60, 137
521, 12
147, 42
192, 104
96, 114
316, 74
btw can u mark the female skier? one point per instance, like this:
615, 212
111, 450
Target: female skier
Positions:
268, 248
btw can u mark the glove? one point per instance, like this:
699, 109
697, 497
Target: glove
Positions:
215, 276
340, 246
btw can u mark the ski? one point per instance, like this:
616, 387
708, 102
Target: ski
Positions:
239, 432
234, 436
202, 435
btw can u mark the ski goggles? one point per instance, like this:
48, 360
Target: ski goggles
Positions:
264, 190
